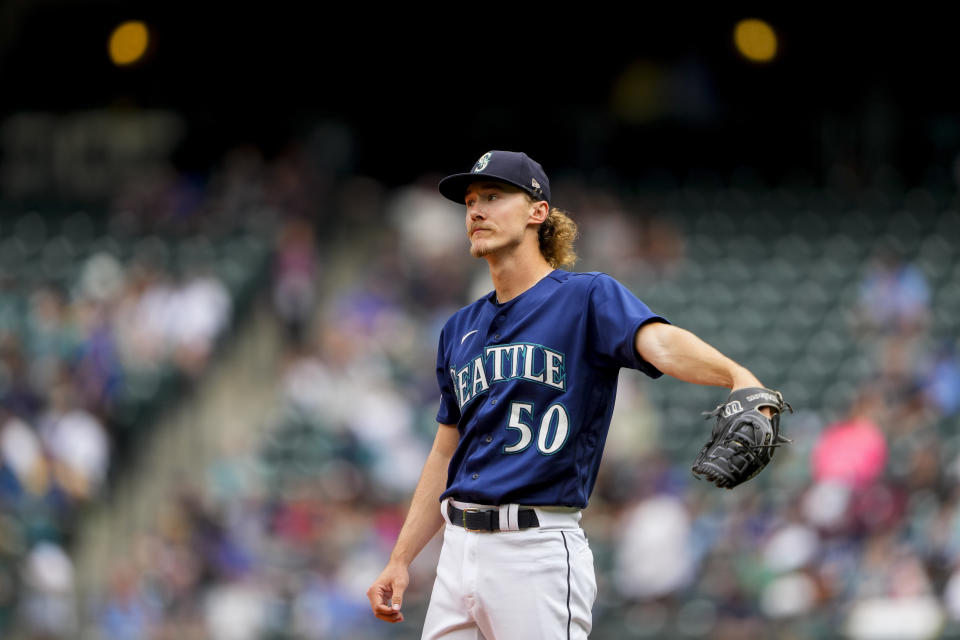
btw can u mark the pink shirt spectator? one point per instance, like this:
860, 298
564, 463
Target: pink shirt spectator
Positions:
851, 452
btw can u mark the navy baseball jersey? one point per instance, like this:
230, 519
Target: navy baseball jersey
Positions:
531, 384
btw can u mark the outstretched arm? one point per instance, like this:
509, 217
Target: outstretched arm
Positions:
423, 520
681, 354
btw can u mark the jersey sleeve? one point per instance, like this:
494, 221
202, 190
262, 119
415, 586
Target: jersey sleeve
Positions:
449, 412
616, 315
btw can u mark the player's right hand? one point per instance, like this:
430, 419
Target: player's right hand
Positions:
386, 593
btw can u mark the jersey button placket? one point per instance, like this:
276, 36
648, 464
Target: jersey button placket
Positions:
495, 325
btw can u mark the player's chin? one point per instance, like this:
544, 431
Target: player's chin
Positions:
479, 248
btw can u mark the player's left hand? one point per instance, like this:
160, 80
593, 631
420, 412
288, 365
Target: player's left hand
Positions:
744, 437
386, 593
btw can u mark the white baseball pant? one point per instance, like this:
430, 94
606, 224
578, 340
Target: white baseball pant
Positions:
534, 584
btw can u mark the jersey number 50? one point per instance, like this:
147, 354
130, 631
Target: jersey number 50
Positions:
553, 431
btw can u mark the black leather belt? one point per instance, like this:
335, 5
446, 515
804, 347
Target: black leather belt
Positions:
488, 519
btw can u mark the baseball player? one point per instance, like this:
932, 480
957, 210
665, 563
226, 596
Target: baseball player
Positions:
527, 376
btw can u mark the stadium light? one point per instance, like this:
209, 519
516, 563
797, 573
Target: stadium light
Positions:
128, 43
755, 40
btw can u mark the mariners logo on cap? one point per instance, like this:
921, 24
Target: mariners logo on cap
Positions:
482, 162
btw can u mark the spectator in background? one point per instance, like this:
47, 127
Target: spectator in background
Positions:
849, 464
125, 613
853, 450
638, 248
611, 236
49, 607
141, 316
77, 441
97, 366
894, 295
664, 247
22, 455
940, 380
19, 395
162, 320
426, 248
295, 274
655, 555
200, 312
236, 609
893, 595
51, 334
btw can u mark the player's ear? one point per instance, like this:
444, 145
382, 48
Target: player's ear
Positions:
539, 211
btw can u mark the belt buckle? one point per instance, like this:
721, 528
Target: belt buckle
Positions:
464, 518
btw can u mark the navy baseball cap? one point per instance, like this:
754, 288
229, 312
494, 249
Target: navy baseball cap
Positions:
512, 167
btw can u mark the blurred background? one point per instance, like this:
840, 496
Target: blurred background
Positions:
224, 266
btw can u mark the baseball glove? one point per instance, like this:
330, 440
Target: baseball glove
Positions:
743, 439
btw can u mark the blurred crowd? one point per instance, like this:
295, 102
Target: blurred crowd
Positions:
853, 530
106, 318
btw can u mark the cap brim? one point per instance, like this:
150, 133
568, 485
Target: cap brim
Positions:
455, 187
